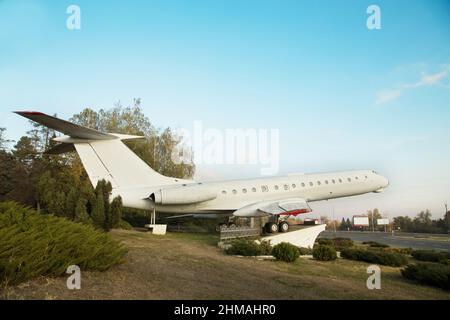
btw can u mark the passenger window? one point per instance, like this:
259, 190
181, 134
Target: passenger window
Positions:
349, 180
293, 186
303, 184
286, 187
340, 180
333, 181
356, 178
234, 191
318, 183
224, 192
264, 188
311, 184
326, 181
253, 189
275, 187
244, 190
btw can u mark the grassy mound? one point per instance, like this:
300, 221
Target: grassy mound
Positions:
33, 244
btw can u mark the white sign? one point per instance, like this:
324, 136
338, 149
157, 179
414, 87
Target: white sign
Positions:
382, 222
360, 221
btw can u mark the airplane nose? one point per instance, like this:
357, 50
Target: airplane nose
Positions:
385, 182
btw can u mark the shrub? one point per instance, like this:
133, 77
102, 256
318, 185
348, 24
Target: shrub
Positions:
431, 255
406, 251
245, 247
305, 251
33, 244
324, 253
433, 274
341, 243
285, 252
325, 242
265, 248
124, 225
375, 244
375, 256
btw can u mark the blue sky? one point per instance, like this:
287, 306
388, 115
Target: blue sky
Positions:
343, 96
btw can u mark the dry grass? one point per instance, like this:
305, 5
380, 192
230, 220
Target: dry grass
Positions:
190, 266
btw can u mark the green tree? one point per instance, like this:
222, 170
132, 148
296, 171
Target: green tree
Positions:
343, 225
81, 214
98, 211
116, 212
349, 224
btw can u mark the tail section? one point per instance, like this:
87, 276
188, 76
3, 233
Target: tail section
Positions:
104, 156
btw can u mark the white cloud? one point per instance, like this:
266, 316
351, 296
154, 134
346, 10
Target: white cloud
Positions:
387, 95
426, 80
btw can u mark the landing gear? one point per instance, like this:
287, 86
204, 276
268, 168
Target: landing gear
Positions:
271, 227
283, 226
277, 226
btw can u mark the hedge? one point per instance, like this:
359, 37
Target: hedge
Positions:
431, 256
433, 274
375, 256
33, 244
244, 247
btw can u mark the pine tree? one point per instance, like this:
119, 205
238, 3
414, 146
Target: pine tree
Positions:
81, 214
349, 224
98, 210
71, 203
116, 212
343, 225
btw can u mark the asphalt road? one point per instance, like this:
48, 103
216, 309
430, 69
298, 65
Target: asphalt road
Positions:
402, 240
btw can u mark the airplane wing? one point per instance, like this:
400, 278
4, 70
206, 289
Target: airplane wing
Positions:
291, 206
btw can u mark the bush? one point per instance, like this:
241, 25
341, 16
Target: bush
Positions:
433, 274
406, 251
285, 252
244, 247
33, 244
431, 256
325, 242
375, 256
124, 225
324, 253
305, 251
342, 243
376, 244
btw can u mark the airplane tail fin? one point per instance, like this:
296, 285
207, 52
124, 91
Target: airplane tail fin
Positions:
104, 156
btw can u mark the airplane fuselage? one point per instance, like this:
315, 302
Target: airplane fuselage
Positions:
235, 194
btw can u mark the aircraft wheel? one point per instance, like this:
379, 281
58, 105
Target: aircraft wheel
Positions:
271, 227
231, 225
283, 226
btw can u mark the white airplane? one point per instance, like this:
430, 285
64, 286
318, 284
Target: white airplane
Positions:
104, 156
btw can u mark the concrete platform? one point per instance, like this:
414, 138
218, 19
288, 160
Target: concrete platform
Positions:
301, 237
157, 228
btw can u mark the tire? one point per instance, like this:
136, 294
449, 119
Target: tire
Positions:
283, 226
271, 227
